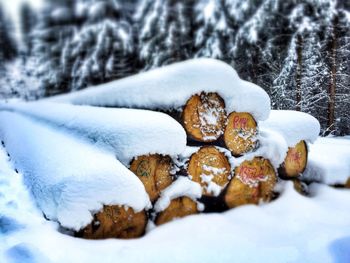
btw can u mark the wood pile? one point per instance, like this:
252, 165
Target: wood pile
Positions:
221, 137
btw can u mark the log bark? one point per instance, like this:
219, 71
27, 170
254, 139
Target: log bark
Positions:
204, 117
300, 187
115, 222
295, 161
347, 184
178, 208
154, 172
240, 133
254, 181
210, 168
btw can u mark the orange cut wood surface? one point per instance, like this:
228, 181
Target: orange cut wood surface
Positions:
178, 208
207, 165
240, 133
295, 161
204, 117
253, 181
115, 222
154, 172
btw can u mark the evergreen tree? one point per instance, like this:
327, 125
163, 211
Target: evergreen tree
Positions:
103, 47
342, 96
82, 43
56, 24
8, 48
212, 30
165, 32
28, 21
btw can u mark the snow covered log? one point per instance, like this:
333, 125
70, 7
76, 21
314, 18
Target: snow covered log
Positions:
70, 179
204, 117
178, 200
297, 129
240, 133
295, 162
300, 187
254, 180
178, 208
294, 126
169, 87
154, 171
347, 184
128, 133
115, 222
211, 169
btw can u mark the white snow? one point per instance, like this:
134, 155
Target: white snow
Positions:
329, 160
126, 132
293, 228
181, 187
69, 178
294, 126
169, 87
272, 146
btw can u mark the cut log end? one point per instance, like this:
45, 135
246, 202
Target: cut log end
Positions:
115, 222
204, 117
347, 184
154, 172
178, 208
240, 133
211, 169
295, 161
254, 181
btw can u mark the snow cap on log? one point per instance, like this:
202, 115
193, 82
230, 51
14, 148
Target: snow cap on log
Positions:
69, 179
169, 88
126, 132
294, 126
183, 186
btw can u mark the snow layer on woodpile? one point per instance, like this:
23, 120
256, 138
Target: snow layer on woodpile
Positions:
183, 186
69, 178
294, 126
169, 87
126, 132
271, 146
329, 160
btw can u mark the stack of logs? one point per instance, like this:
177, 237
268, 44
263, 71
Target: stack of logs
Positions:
220, 136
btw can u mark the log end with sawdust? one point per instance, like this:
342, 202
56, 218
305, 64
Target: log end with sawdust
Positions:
154, 171
178, 208
115, 222
211, 169
240, 133
253, 182
204, 117
295, 161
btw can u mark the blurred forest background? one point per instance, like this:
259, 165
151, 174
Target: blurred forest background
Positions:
297, 50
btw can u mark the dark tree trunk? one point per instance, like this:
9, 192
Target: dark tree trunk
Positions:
299, 48
332, 86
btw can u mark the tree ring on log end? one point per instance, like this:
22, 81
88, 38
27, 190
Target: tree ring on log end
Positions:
178, 208
204, 117
211, 169
295, 162
115, 222
253, 181
154, 172
240, 133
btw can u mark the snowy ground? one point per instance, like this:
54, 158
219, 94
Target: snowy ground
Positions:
329, 160
293, 228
